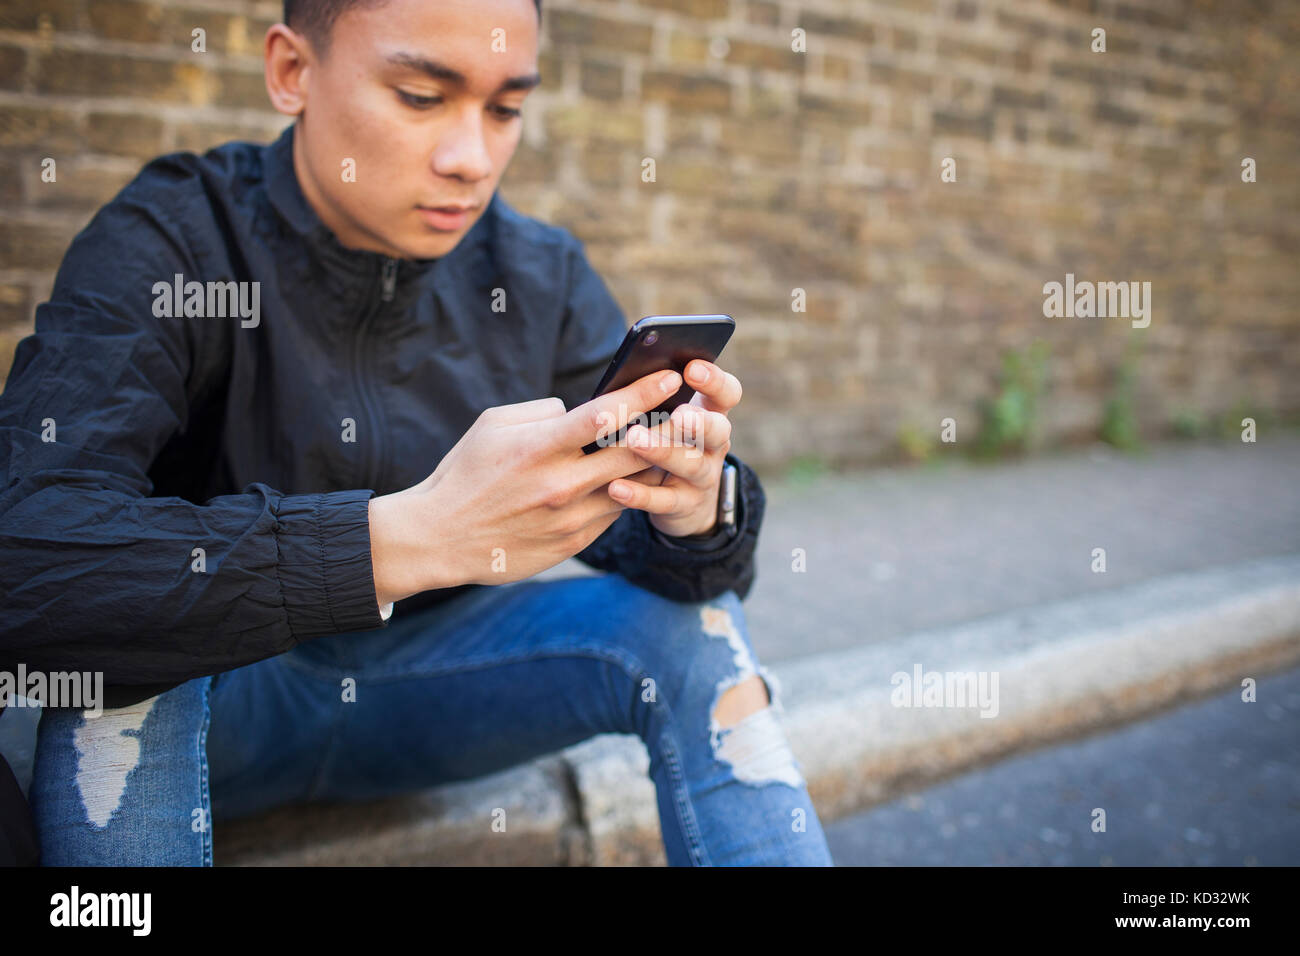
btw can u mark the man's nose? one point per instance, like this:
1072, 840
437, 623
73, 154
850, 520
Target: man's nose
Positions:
462, 150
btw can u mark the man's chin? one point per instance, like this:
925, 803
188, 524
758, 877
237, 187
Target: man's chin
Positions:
425, 246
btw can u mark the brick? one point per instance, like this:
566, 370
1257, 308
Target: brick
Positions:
567, 26
102, 74
610, 166
1037, 29
765, 56
903, 40
1158, 87
896, 78
136, 22
44, 128
1150, 16
837, 67
550, 68
242, 88
140, 22
32, 15
601, 80
79, 186
1107, 112
769, 141
949, 48
689, 47
586, 123
951, 124
696, 9
25, 245
816, 24
763, 13
15, 304
13, 61
13, 169
124, 134
689, 93
1017, 98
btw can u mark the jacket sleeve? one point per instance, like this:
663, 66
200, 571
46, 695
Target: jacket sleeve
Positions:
675, 568
97, 575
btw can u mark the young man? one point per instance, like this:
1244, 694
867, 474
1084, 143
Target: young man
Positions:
218, 445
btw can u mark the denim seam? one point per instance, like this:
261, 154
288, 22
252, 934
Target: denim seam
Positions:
205, 795
682, 797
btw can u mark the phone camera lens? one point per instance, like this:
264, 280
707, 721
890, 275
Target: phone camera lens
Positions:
651, 338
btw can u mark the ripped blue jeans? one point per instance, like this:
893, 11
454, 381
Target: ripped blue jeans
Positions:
489, 679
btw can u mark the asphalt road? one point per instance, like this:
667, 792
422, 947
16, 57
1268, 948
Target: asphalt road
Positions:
1215, 782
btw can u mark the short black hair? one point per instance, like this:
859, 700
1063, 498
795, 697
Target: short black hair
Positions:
315, 18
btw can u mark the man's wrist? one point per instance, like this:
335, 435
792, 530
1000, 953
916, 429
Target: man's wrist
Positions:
726, 521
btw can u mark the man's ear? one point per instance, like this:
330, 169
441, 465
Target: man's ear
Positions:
288, 57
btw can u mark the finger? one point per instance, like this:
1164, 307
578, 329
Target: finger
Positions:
600, 419
591, 474
536, 410
687, 461
664, 500
694, 425
653, 475
719, 389
698, 431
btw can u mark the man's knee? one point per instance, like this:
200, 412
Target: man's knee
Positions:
740, 701
108, 748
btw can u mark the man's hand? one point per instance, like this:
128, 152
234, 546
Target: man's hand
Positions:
690, 449
516, 495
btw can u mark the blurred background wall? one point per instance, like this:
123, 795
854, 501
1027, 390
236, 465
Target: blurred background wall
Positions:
778, 169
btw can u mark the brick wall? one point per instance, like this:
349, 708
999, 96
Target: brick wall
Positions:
821, 171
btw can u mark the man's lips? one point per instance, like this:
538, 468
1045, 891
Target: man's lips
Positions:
452, 207
445, 218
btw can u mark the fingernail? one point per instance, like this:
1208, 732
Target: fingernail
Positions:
637, 437
670, 383
700, 373
618, 491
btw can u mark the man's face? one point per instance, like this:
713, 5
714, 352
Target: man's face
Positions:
417, 140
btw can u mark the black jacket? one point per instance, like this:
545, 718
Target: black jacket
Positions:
172, 434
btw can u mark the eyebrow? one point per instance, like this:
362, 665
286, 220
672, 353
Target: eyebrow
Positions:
440, 71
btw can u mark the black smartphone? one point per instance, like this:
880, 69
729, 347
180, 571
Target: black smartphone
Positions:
657, 343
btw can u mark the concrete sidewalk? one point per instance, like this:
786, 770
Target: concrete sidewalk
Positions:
962, 567
970, 568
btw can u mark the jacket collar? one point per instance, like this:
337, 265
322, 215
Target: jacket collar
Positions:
286, 195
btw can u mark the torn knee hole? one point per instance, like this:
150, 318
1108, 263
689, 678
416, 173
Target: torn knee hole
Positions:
745, 698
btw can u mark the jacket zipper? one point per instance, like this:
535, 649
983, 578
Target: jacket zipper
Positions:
387, 287
389, 279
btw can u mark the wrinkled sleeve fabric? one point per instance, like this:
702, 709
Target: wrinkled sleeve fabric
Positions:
95, 574
681, 570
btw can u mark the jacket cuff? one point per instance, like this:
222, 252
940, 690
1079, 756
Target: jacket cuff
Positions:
326, 577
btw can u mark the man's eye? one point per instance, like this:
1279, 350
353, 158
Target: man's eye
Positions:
419, 102
505, 112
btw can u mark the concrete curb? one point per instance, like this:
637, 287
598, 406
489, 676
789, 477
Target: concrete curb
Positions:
1062, 670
